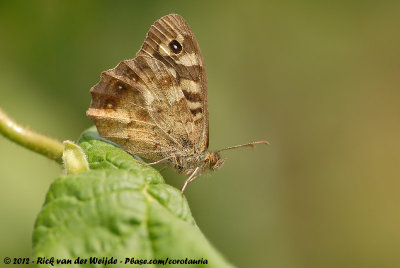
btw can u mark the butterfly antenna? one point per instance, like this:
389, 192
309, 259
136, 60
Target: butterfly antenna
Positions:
252, 144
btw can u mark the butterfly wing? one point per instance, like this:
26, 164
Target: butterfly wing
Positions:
156, 103
137, 105
120, 113
171, 41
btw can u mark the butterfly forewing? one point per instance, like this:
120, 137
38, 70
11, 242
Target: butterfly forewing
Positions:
156, 104
187, 65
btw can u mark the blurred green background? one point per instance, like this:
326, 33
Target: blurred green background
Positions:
318, 79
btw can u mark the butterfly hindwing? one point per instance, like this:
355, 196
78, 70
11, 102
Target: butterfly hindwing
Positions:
119, 111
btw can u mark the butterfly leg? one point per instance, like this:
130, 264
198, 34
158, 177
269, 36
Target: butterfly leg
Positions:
190, 179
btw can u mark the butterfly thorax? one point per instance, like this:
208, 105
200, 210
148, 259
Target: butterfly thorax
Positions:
187, 163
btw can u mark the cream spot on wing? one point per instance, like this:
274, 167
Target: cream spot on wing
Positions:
197, 116
180, 38
120, 115
148, 97
188, 59
172, 97
190, 85
173, 72
194, 105
163, 49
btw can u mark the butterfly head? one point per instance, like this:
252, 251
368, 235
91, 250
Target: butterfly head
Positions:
214, 160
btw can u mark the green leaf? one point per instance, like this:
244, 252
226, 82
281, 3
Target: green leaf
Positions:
118, 209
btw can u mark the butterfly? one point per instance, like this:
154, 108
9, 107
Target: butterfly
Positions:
155, 105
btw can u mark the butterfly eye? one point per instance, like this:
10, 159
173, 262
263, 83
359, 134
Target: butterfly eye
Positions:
175, 46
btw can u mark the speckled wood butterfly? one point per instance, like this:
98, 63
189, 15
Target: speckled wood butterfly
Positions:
155, 105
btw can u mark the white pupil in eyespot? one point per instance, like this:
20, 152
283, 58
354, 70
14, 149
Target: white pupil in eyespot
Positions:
175, 46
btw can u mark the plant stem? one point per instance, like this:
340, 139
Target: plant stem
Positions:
29, 139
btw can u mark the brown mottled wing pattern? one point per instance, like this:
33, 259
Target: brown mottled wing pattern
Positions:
156, 104
187, 66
